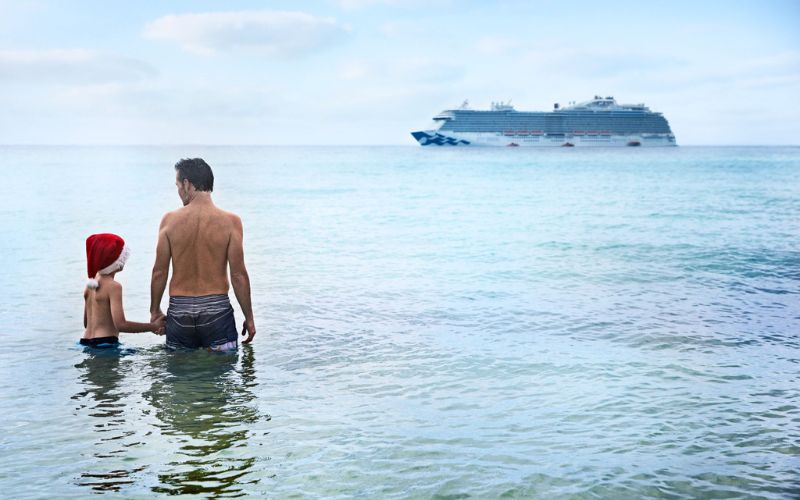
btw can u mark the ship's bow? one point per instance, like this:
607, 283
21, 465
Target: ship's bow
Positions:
429, 137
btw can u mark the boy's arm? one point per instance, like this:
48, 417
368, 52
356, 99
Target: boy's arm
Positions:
85, 298
240, 279
158, 282
118, 314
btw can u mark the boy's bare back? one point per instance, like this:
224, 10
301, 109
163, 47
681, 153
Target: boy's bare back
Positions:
104, 315
199, 236
99, 320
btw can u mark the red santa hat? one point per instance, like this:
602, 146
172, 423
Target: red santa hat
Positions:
105, 253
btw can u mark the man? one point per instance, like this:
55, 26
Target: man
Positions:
202, 241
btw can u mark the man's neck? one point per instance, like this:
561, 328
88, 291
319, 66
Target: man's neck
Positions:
198, 198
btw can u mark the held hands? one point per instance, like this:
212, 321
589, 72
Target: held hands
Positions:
248, 327
158, 321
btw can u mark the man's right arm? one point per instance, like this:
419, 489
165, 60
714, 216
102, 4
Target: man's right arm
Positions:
239, 277
158, 282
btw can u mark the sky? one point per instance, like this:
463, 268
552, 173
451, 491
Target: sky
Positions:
371, 71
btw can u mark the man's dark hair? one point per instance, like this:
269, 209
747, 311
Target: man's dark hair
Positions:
196, 171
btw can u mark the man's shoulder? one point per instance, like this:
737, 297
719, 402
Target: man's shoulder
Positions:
230, 216
168, 216
184, 214
233, 217
174, 216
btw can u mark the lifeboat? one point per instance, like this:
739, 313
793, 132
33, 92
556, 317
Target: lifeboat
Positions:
634, 143
512, 145
567, 145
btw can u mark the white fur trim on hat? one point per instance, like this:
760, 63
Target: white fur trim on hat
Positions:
117, 264
92, 284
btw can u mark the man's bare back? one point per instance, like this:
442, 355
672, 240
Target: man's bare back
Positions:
199, 235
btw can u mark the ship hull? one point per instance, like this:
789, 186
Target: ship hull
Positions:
440, 138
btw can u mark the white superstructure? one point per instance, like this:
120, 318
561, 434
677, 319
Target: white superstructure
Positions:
597, 122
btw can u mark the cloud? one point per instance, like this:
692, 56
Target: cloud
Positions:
600, 63
155, 100
362, 4
358, 4
622, 68
401, 92
397, 28
355, 70
497, 45
407, 70
273, 33
70, 66
735, 74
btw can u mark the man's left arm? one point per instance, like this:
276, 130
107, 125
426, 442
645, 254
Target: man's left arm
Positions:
240, 279
158, 282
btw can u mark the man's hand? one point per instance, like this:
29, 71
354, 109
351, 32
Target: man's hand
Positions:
159, 325
159, 318
155, 315
249, 328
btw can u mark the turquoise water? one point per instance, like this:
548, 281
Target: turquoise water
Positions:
444, 323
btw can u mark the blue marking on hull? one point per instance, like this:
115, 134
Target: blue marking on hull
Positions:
427, 139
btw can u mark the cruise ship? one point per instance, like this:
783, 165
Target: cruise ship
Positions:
598, 122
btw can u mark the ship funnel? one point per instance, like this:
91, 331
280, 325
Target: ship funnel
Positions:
555, 106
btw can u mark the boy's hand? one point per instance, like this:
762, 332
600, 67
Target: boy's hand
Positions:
159, 325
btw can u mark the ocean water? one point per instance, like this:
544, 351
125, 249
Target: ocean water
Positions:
432, 323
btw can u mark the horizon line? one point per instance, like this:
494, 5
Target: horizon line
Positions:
195, 144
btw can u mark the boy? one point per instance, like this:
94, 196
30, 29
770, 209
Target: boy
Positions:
103, 316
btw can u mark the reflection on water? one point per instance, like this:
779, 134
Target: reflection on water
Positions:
102, 377
202, 403
205, 404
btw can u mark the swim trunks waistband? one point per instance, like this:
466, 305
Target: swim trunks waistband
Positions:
206, 304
